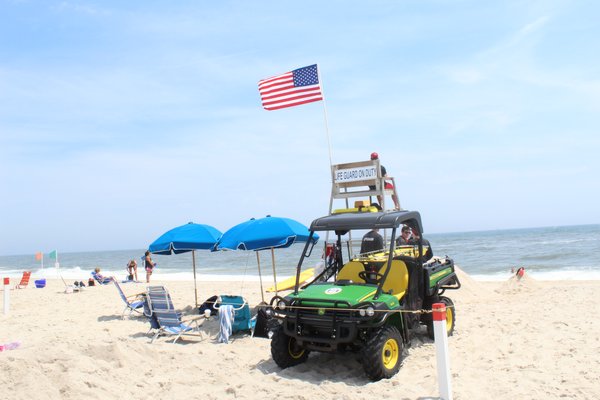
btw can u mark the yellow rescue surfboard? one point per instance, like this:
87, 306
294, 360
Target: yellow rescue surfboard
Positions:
291, 281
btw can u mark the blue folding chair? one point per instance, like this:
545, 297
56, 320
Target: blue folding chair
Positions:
130, 306
102, 281
163, 317
161, 301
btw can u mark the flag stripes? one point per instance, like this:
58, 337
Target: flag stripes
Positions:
299, 86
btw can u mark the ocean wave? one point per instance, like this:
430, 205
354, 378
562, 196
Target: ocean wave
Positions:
542, 257
545, 275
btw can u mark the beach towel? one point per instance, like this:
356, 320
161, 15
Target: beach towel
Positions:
226, 316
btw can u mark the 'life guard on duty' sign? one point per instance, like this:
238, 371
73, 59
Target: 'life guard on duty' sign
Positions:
355, 174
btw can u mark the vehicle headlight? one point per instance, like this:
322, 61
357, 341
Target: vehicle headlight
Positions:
366, 312
281, 305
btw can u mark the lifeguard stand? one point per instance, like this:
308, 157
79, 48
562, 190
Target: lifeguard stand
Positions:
353, 180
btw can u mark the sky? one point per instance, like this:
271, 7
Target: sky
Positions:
121, 120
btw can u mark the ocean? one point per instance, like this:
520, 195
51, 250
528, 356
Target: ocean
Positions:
550, 253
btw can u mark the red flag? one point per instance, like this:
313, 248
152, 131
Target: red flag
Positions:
38, 255
299, 86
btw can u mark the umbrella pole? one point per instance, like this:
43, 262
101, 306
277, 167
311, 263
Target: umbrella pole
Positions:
195, 287
274, 274
260, 277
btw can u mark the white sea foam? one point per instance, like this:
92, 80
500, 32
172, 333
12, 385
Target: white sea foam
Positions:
551, 275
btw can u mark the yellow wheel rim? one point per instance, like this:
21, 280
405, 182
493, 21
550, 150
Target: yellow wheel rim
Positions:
293, 350
390, 353
448, 319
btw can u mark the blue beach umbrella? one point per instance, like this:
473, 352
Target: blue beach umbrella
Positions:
265, 233
184, 238
262, 234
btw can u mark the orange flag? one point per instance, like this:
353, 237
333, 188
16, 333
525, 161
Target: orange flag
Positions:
38, 255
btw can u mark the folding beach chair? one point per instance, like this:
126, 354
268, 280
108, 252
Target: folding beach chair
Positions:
104, 281
163, 317
24, 280
162, 300
69, 288
133, 305
171, 324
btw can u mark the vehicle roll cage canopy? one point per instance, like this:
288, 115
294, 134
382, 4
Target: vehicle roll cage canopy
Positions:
345, 222
367, 220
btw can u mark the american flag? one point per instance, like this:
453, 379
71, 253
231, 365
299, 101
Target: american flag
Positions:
300, 86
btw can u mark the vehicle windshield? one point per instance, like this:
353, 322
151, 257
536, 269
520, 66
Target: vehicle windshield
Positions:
360, 242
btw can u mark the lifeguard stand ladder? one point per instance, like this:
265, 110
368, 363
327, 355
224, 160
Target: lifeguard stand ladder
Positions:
352, 180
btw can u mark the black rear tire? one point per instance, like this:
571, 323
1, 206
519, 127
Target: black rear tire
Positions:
450, 318
382, 355
285, 350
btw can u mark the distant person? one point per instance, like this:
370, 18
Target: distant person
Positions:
404, 239
415, 241
132, 269
387, 185
372, 241
520, 273
103, 280
148, 265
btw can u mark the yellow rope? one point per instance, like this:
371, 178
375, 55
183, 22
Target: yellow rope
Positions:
289, 307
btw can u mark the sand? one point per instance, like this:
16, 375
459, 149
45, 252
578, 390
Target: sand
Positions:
519, 339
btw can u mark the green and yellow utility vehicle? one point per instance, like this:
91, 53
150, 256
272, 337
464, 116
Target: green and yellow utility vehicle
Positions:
367, 304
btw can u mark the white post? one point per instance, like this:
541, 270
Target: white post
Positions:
441, 350
6, 295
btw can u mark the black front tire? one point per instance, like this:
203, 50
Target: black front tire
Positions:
450, 318
286, 352
382, 355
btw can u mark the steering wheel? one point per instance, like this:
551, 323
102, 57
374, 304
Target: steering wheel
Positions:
369, 276
274, 301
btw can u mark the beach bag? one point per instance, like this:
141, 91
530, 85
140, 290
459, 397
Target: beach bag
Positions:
130, 277
209, 304
91, 282
261, 327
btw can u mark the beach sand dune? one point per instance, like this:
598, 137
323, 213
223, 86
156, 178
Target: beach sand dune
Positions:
513, 340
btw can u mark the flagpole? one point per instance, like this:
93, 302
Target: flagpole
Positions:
42, 260
328, 139
325, 115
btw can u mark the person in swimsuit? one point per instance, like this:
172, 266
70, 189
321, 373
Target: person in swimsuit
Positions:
132, 269
148, 265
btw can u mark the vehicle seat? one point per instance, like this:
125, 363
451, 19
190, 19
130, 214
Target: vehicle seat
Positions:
350, 271
397, 279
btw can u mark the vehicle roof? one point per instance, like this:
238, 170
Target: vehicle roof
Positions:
367, 220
